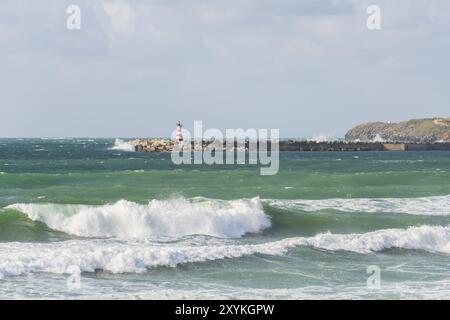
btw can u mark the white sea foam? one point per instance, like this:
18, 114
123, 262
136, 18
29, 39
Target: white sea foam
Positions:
427, 238
175, 217
430, 290
438, 205
43, 287
119, 144
137, 256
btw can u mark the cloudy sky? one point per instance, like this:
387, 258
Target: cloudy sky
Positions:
135, 67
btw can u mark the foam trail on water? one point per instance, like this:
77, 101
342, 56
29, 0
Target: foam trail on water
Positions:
137, 256
439, 205
176, 217
119, 144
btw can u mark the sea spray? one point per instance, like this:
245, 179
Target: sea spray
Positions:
122, 145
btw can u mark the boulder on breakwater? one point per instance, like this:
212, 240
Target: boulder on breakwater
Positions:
152, 145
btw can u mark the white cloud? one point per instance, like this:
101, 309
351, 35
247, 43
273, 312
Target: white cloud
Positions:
274, 60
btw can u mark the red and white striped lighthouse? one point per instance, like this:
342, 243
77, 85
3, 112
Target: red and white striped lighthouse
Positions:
179, 134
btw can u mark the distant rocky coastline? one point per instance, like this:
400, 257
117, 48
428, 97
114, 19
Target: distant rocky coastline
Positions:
433, 130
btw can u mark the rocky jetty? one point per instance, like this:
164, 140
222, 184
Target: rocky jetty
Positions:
163, 145
433, 130
152, 145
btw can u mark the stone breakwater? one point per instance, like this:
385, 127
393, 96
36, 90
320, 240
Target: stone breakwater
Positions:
165, 145
152, 145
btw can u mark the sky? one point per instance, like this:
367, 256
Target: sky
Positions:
306, 67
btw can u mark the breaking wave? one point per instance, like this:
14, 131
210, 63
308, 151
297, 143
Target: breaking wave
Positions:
378, 138
119, 144
438, 205
175, 217
137, 256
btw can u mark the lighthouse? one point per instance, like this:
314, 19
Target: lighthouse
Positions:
179, 134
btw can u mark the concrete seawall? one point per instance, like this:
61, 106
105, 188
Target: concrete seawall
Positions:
329, 146
163, 145
361, 146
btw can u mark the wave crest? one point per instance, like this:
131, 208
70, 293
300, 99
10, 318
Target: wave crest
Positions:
160, 218
137, 256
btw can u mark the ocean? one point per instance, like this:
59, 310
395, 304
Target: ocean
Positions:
91, 219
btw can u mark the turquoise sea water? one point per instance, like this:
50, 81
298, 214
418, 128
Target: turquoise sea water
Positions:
139, 227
